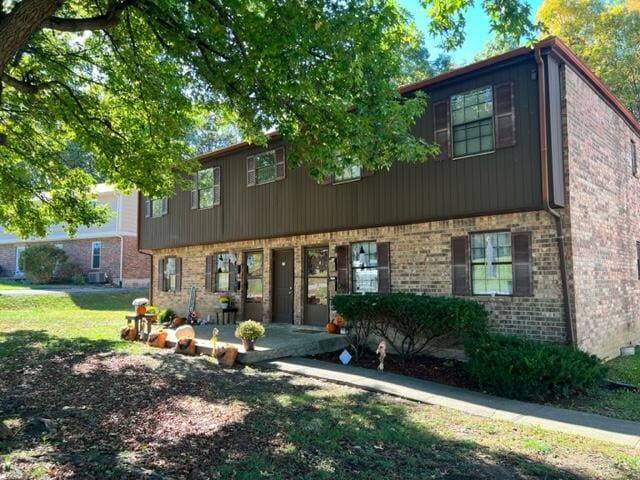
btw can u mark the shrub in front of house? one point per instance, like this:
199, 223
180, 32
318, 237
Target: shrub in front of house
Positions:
41, 263
166, 315
410, 323
525, 369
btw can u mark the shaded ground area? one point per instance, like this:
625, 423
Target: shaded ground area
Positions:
115, 415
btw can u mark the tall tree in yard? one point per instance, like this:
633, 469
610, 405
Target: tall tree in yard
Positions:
126, 81
604, 34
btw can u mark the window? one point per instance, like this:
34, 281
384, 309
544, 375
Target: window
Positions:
634, 159
317, 261
254, 277
222, 272
364, 267
19, 252
170, 274
205, 188
472, 122
491, 263
350, 173
157, 207
265, 167
96, 248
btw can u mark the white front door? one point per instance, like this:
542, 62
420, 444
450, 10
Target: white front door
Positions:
19, 251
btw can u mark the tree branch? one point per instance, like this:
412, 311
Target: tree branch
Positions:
102, 22
25, 87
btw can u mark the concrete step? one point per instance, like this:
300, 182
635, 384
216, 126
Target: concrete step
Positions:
299, 345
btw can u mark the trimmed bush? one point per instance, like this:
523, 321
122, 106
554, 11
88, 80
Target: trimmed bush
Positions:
41, 263
520, 368
249, 330
410, 323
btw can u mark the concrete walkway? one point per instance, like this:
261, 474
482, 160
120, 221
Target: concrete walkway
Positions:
598, 427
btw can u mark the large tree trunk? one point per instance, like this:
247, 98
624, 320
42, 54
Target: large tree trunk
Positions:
16, 27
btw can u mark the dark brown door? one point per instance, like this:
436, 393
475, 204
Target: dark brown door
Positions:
252, 291
316, 298
283, 286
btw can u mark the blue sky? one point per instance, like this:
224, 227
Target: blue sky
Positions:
477, 29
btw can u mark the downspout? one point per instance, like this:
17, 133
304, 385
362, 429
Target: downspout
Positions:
544, 174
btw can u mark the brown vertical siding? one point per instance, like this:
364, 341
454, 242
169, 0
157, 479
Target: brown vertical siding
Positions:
503, 181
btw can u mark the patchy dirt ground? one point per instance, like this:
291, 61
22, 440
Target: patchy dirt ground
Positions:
117, 415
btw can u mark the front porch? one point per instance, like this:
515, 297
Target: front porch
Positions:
279, 341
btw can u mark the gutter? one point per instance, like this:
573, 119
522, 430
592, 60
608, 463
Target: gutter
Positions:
544, 171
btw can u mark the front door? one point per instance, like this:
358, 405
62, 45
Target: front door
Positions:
316, 299
283, 286
253, 268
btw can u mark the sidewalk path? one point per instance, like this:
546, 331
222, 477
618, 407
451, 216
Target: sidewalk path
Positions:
623, 432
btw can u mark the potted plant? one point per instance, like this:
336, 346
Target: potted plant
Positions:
153, 311
249, 331
224, 301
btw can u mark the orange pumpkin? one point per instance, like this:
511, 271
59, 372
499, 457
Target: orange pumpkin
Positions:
141, 310
339, 321
332, 327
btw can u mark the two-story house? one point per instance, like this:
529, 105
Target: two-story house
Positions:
532, 207
106, 253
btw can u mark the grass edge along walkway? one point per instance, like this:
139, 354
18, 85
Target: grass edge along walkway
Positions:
591, 425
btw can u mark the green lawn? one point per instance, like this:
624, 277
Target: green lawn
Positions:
8, 284
113, 414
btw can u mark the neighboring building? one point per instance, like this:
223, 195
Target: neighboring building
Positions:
107, 253
527, 137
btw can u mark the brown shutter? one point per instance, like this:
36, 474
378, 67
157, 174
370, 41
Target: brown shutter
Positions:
161, 286
233, 277
194, 193
384, 267
281, 167
178, 274
165, 205
460, 265
342, 266
147, 207
251, 171
365, 172
208, 270
505, 117
442, 130
522, 271
216, 186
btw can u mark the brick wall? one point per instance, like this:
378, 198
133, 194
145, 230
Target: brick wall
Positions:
420, 262
136, 266
603, 222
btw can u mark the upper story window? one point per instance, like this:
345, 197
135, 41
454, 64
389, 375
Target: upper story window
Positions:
96, 248
491, 263
353, 172
156, 207
472, 121
266, 167
475, 122
206, 188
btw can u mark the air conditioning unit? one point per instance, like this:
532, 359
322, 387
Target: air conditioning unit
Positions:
97, 277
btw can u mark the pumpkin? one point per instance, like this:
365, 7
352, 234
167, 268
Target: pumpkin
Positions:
332, 327
177, 322
141, 310
339, 321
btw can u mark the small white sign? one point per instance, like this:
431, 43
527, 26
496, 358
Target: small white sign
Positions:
345, 357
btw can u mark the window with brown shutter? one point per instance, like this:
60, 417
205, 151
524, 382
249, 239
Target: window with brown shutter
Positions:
522, 271
460, 265
208, 263
384, 267
442, 133
156, 207
504, 115
342, 267
216, 186
251, 171
281, 167
491, 263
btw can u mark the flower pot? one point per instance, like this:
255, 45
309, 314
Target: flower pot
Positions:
249, 345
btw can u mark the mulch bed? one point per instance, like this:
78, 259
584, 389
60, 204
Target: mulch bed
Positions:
449, 372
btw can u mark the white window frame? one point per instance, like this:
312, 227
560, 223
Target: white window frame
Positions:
95, 243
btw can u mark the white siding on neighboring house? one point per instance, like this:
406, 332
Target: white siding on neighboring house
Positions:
123, 220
